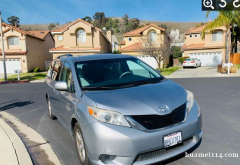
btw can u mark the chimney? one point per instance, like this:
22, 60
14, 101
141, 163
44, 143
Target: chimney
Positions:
210, 20
15, 24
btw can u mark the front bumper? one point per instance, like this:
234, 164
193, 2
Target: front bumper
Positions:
128, 143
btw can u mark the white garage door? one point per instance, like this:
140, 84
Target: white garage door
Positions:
208, 59
11, 65
149, 60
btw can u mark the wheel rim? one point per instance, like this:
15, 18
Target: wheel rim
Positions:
49, 108
80, 145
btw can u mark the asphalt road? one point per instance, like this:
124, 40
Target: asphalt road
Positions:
219, 99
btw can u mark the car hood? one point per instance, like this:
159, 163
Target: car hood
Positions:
140, 100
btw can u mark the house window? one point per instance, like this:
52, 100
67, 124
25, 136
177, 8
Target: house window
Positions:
153, 36
190, 36
217, 36
130, 39
81, 36
13, 41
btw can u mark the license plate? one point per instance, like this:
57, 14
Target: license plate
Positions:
172, 139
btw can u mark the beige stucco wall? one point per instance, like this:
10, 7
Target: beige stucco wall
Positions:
105, 45
38, 52
70, 37
20, 47
136, 39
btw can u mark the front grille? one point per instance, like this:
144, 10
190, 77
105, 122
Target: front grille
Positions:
152, 122
160, 152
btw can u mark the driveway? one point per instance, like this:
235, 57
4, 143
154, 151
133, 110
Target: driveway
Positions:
218, 100
199, 72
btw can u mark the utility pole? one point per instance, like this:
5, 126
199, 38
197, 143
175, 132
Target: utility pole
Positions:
4, 62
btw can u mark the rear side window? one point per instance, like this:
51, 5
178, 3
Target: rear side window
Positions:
56, 71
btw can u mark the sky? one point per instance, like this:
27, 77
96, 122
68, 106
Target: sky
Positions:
62, 11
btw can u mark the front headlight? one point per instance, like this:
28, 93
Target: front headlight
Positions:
190, 100
109, 117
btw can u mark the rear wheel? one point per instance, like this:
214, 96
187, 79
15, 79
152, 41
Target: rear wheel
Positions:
80, 145
50, 110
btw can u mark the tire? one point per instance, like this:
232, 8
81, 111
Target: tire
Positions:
184, 67
50, 110
80, 145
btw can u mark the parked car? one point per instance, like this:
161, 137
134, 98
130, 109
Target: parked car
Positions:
192, 62
120, 111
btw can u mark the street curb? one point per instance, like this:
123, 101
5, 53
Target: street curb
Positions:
14, 82
21, 153
39, 149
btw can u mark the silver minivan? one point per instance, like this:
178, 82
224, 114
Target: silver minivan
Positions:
120, 111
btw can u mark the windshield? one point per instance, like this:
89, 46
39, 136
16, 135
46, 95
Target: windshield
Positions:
115, 73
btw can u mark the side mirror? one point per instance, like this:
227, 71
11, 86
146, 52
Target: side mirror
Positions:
158, 71
61, 86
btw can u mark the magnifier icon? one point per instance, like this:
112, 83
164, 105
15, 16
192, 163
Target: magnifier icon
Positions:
208, 3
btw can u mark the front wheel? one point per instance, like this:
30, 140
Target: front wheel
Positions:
50, 110
80, 145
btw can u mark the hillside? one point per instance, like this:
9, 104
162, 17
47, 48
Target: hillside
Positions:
182, 26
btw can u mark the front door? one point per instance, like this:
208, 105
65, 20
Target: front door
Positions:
67, 99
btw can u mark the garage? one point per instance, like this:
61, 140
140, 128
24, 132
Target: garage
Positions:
149, 60
208, 58
11, 65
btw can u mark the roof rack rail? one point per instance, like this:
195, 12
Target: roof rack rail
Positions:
65, 55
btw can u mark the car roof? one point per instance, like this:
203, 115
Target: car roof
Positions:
94, 57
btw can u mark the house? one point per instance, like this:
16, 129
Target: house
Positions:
114, 43
210, 50
25, 50
133, 43
80, 38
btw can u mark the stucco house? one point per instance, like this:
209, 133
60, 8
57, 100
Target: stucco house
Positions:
80, 38
210, 50
133, 43
25, 50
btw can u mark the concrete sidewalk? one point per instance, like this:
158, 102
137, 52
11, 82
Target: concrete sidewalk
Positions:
12, 149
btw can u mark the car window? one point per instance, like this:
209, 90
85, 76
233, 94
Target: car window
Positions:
49, 73
114, 73
56, 71
138, 70
66, 76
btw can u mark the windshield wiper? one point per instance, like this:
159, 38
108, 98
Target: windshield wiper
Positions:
98, 88
138, 84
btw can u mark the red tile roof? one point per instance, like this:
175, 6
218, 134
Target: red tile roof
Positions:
200, 46
37, 34
72, 23
14, 53
134, 47
122, 43
61, 48
138, 31
195, 30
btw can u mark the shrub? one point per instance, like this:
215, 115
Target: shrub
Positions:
35, 70
182, 59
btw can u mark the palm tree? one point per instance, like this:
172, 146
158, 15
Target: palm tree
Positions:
227, 19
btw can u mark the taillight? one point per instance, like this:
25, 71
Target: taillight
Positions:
184, 62
192, 61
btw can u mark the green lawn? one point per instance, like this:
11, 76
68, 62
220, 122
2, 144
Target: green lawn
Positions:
170, 70
238, 65
27, 76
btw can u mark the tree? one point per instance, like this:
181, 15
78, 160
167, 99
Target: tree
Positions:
100, 20
159, 49
14, 21
51, 26
87, 19
132, 24
176, 51
227, 19
199, 24
163, 26
125, 19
